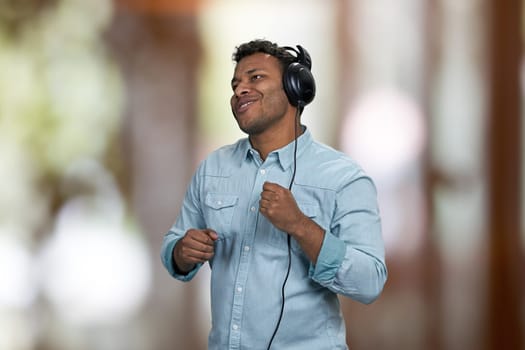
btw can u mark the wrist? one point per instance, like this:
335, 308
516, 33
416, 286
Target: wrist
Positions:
180, 267
182, 270
301, 227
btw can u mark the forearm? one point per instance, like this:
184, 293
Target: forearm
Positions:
310, 237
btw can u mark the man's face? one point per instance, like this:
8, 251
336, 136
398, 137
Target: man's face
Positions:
259, 101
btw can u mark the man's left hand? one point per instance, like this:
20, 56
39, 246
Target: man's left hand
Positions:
278, 205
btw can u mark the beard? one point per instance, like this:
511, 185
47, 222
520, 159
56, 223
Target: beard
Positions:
264, 118
258, 126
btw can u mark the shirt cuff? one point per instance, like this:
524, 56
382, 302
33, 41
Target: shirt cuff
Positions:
170, 265
329, 260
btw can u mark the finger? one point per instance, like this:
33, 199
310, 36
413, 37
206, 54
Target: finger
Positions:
264, 203
271, 186
266, 207
186, 254
201, 252
198, 257
202, 246
212, 234
267, 195
200, 236
263, 211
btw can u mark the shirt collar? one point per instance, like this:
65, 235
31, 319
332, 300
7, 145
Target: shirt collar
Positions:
285, 155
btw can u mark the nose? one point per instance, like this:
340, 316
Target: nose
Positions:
241, 89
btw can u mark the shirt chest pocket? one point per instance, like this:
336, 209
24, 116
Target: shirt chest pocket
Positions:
218, 212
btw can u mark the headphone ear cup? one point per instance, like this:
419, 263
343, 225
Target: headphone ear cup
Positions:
299, 84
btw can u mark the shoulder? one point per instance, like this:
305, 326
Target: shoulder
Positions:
324, 166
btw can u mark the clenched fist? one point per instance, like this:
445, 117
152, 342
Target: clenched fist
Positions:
278, 205
197, 246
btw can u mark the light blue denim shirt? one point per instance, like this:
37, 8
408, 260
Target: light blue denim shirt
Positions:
251, 255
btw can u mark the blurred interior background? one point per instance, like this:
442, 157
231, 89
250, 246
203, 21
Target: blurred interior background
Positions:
106, 108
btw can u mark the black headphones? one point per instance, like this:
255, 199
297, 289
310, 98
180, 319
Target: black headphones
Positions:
298, 81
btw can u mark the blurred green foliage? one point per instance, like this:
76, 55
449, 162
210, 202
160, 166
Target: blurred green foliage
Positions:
60, 98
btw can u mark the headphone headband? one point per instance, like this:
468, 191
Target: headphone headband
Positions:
301, 55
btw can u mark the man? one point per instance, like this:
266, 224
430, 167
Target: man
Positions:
278, 257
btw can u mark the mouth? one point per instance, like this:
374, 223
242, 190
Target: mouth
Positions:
243, 104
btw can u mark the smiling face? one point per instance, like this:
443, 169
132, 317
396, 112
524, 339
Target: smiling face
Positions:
259, 102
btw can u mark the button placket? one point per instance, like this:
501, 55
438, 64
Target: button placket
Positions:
242, 274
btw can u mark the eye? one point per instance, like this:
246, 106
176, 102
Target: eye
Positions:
256, 77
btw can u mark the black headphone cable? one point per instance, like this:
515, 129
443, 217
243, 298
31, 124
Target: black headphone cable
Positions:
288, 238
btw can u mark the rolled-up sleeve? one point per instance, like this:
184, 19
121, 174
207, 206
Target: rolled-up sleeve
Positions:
190, 216
351, 261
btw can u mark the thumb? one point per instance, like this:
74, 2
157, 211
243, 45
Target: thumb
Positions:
212, 234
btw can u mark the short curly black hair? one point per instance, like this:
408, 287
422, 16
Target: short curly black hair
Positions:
264, 46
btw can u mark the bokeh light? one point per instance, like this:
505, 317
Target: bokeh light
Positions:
385, 133
18, 288
96, 268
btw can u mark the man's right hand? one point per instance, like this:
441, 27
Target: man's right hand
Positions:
197, 246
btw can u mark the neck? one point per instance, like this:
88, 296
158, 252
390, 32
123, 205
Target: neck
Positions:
267, 142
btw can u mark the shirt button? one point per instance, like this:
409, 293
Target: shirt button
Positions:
252, 209
239, 289
235, 327
246, 248
263, 171
219, 202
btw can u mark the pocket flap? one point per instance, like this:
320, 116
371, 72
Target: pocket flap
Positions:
219, 201
309, 210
